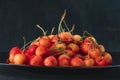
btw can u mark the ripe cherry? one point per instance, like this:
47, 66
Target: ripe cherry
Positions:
42, 51
20, 59
15, 50
76, 61
89, 62
50, 61
36, 61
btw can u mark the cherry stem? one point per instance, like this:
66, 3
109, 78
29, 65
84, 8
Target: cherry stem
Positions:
24, 42
44, 32
27, 44
86, 33
62, 30
66, 26
24, 47
52, 30
60, 24
73, 27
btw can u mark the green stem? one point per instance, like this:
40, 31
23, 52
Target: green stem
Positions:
66, 26
52, 30
73, 27
44, 33
26, 45
24, 42
60, 23
86, 32
61, 28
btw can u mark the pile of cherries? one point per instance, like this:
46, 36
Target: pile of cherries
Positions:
61, 49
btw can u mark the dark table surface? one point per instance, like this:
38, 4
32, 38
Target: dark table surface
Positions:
9, 72
22, 75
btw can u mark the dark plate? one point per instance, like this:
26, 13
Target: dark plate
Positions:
38, 69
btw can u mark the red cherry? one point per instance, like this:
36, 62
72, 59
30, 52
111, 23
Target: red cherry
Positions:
45, 41
50, 61
15, 50
101, 61
65, 36
76, 61
31, 50
42, 51
36, 61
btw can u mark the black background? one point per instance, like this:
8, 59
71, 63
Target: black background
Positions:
18, 18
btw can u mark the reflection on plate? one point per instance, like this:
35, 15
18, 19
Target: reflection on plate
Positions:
41, 69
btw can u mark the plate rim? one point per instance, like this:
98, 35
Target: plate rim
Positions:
60, 67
